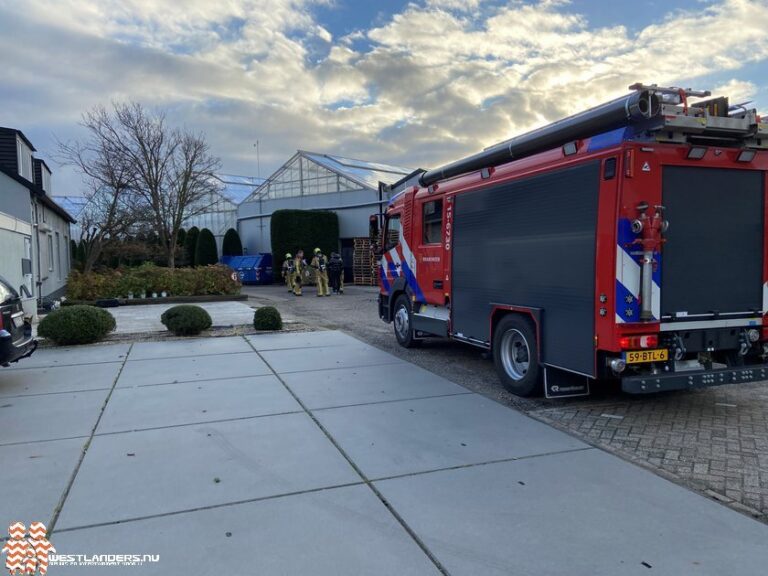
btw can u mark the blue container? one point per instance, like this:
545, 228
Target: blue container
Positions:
252, 269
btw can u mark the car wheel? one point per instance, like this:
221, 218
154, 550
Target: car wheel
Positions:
516, 356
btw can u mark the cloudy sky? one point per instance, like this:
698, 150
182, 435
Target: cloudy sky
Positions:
414, 83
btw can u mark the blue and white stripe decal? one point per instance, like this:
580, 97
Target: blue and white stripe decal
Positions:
399, 261
384, 282
628, 275
410, 277
608, 139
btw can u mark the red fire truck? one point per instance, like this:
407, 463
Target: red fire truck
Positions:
626, 242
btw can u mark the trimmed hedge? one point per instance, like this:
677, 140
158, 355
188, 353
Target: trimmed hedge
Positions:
267, 318
186, 319
206, 252
181, 237
72, 251
78, 324
190, 243
232, 245
81, 252
292, 230
149, 278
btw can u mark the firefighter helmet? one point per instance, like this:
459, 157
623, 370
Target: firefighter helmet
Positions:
288, 255
317, 250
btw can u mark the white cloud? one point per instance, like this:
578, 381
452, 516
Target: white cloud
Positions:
441, 79
738, 91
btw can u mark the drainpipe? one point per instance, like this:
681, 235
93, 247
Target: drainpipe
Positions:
36, 239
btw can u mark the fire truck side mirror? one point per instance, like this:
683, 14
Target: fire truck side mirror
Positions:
374, 233
373, 228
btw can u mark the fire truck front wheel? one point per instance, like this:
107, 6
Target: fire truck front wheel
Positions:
403, 323
516, 356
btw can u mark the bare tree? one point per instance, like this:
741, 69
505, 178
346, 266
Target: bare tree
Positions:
111, 206
139, 170
173, 170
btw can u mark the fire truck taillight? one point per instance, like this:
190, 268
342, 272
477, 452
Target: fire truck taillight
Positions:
647, 341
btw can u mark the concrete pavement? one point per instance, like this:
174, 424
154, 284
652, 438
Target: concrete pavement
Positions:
314, 453
714, 440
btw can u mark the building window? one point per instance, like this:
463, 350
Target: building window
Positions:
24, 158
46, 184
58, 256
433, 222
50, 253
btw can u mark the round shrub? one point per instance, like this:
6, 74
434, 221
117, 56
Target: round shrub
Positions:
186, 320
267, 318
77, 324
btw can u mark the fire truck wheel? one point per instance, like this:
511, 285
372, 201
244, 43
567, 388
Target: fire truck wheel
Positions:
516, 356
403, 323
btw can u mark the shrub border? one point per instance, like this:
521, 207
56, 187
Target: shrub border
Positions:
166, 300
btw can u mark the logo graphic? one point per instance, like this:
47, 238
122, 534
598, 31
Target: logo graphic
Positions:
27, 556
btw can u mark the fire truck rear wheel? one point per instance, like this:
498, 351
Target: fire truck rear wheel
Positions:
403, 323
516, 356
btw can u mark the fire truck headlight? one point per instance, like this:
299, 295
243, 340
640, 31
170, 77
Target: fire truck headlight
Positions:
753, 335
618, 365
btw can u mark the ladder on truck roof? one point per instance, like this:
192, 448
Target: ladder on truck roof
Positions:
661, 114
707, 121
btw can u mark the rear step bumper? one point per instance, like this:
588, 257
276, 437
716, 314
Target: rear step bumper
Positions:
651, 383
11, 352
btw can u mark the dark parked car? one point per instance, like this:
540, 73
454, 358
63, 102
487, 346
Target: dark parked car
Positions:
16, 340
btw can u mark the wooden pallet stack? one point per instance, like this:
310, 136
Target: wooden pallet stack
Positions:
364, 264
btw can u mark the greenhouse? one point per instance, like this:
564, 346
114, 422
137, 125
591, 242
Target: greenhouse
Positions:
220, 208
313, 181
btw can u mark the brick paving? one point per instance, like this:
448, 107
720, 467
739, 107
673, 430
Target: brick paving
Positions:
713, 440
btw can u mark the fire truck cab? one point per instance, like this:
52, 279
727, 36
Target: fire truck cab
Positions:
627, 242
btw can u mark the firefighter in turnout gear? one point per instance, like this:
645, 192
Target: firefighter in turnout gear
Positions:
336, 273
288, 271
299, 264
320, 264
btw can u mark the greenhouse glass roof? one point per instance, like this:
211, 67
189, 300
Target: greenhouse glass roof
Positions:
237, 188
310, 173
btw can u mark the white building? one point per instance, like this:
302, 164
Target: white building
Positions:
34, 229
